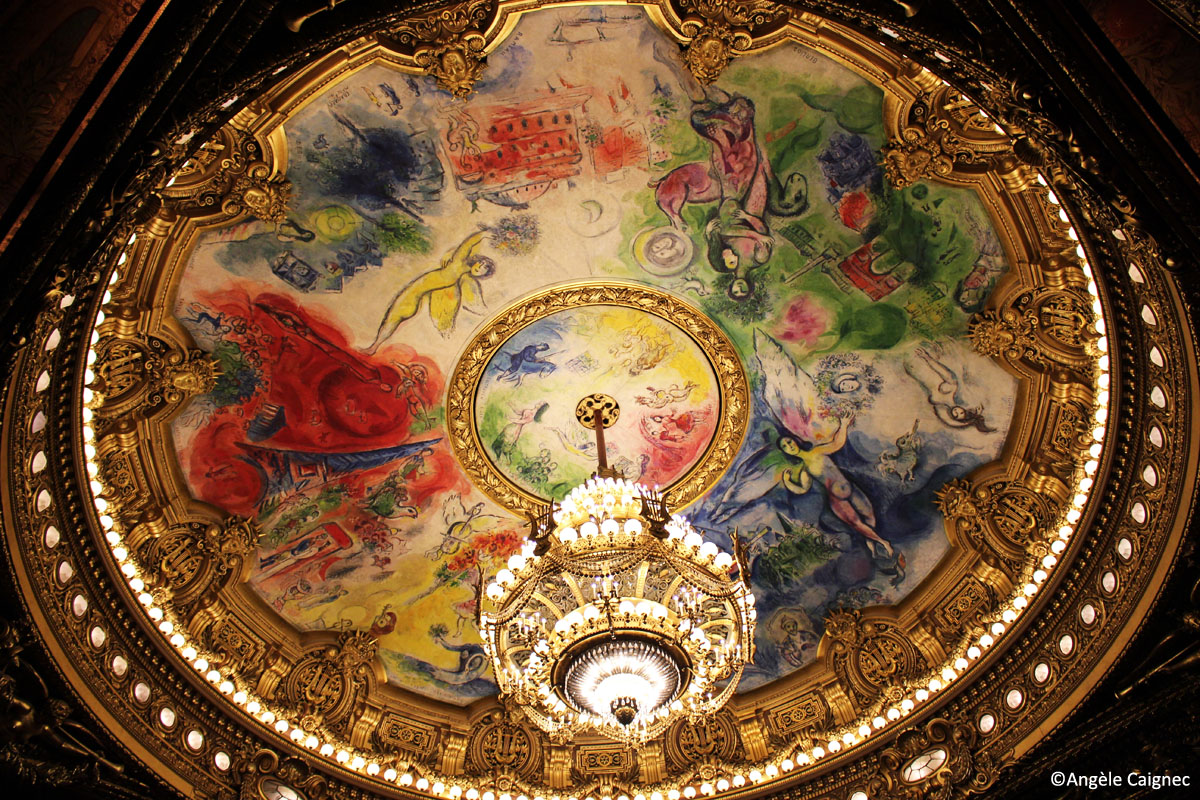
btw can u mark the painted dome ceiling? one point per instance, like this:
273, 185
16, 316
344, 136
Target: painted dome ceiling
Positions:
660, 241
843, 322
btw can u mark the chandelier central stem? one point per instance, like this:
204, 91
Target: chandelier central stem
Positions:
599, 411
601, 450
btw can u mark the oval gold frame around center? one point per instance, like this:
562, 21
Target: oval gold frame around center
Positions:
733, 389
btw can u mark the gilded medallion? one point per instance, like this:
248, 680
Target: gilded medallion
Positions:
668, 364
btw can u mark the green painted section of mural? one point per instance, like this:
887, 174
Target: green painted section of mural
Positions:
417, 218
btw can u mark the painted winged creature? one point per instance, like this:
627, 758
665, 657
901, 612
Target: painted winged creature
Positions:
447, 287
802, 453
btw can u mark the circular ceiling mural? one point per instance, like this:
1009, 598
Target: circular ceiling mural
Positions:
845, 325
511, 425
651, 361
759, 201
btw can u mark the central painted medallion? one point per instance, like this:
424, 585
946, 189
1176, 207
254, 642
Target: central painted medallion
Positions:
676, 375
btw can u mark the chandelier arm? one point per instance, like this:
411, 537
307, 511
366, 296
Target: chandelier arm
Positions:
714, 703
511, 607
578, 565
696, 574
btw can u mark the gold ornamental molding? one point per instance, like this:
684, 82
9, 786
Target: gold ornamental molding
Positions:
716, 31
734, 391
942, 132
231, 176
138, 590
448, 44
451, 44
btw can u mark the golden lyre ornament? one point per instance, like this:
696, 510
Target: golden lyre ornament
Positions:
617, 618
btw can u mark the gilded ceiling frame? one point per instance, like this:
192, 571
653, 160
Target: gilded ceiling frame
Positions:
148, 369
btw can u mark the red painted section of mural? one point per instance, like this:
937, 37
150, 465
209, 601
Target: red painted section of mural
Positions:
677, 438
502, 145
856, 271
620, 146
286, 361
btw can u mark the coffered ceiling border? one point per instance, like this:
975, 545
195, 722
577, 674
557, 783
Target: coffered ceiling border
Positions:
1129, 530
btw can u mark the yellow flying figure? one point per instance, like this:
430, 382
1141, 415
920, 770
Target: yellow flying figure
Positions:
447, 287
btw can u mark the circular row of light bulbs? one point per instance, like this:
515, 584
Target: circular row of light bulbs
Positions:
242, 697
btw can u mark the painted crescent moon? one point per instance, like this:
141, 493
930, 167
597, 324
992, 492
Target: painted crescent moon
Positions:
593, 209
594, 216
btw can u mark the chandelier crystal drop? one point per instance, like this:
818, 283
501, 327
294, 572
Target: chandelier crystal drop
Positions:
617, 618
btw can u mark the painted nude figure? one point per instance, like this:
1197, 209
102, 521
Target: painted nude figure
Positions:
446, 287
943, 391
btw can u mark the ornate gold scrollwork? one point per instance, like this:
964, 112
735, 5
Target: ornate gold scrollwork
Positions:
503, 746
191, 560
448, 44
944, 133
915, 156
869, 655
230, 176
324, 684
604, 759
1066, 435
720, 29
237, 648
937, 761
149, 375
966, 604
266, 776
808, 712
1045, 328
711, 741
232, 542
399, 731
1000, 519
1006, 333
174, 561
122, 472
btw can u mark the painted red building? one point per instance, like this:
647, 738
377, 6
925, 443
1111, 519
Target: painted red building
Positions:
513, 153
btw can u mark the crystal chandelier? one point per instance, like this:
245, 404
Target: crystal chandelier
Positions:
617, 617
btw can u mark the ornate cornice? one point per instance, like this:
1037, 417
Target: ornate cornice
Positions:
447, 44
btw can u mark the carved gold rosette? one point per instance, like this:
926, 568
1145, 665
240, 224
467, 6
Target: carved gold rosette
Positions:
140, 590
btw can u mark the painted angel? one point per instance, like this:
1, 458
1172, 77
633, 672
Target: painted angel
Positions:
447, 287
802, 453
